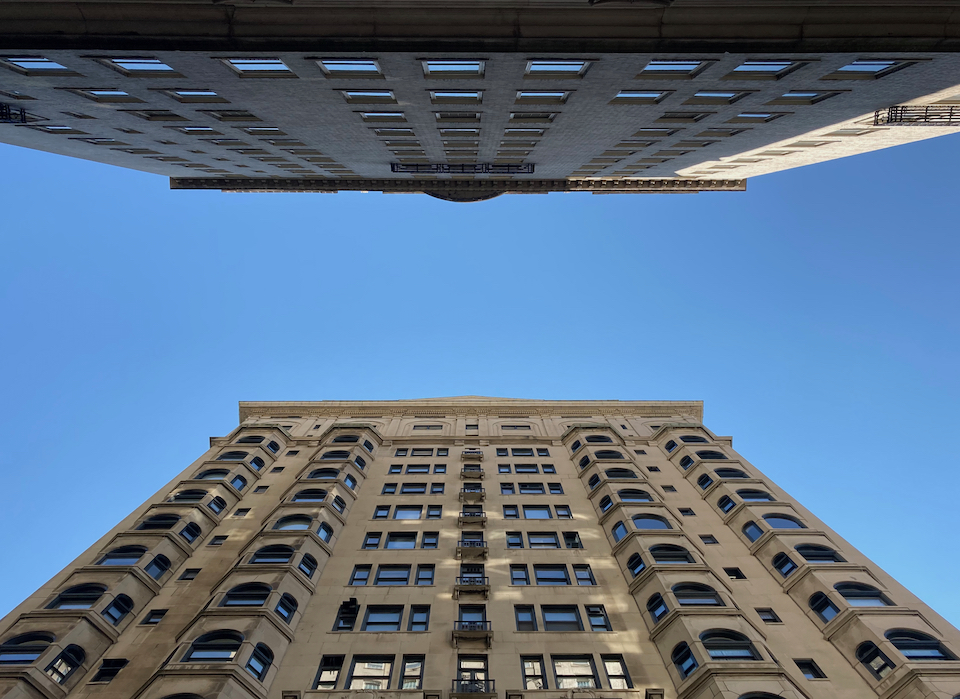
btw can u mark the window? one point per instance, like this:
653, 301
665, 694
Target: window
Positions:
109, 669
325, 532
346, 616
350, 482
571, 540
543, 451
36, 65
597, 616
918, 646
141, 67
239, 482
401, 540
768, 616
350, 68
411, 672
722, 644
650, 522
556, 69
810, 669
876, 662
425, 574
324, 473
157, 567
382, 617
860, 595
407, 511
260, 67
395, 469
123, 556
434, 511
635, 564
65, 664
511, 512
413, 489
678, 68
257, 462
725, 504
619, 531
159, 522
633, 495
537, 512
501, 451
25, 648
190, 496
439, 468
308, 565
752, 531
507, 489
310, 495
783, 522
561, 617
329, 672
696, 595
372, 540
360, 575
453, 68
189, 574
563, 511
687, 512
551, 575
823, 607
704, 481
605, 503
543, 540
273, 554
670, 446
418, 468
503, 468
218, 505
526, 617
866, 68
532, 489
118, 609
216, 646
819, 554
709, 539
522, 451
429, 540
248, 595
260, 660
533, 675
419, 618
370, 672
657, 608
293, 523
436, 488
519, 575
574, 672
233, 456
616, 670
784, 564
683, 660
594, 481
392, 575
669, 553
514, 540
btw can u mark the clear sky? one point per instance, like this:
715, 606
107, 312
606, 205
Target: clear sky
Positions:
816, 315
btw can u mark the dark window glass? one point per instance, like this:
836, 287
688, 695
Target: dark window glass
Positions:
784, 565
657, 607
722, 644
683, 659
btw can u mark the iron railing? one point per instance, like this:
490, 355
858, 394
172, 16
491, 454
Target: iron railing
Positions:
473, 626
473, 580
12, 115
472, 490
464, 168
474, 686
918, 115
472, 544
477, 515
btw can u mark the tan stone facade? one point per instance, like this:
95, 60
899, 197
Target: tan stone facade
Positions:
474, 547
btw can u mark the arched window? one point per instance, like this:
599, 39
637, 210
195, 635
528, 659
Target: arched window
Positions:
692, 439
730, 473
633, 495
360, 462
368, 445
214, 647
726, 503
251, 439
860, 595
819, 554
190, 496
159, 522
686, 462
286, 607
323, 474
335, 455
752, 531
157, 567
239, 482
584, 461
257, 463
605, 503
876, 662
635, 564
25, 648
696, 595
325, 532
758, 695
308, 565
823, 607
215, 474
273, 447
918, 646
598, 439
118, 609
608, 454
669, 553
711, 455
350, 481
657, 607
619, 531
260, 661
66, 664
310, 495
191, 532
784, 564
722, 644
339, 504
594, 481
704, 481
293, 523
233, 456
683, 660
776, 521
247, 595
78, 597
650, 522
346, 439
273, 554
750, 495
576, 445
217, 504
620, 473
123, 556
670, 446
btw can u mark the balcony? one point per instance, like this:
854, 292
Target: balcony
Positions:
474, 548
474, 494
472, 584
469, 454
470, 631
473, 689
471, 473
467, 518
918, 115
12, 115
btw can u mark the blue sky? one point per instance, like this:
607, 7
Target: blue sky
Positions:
815, 314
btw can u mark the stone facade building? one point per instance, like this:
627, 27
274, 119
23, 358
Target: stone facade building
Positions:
474, 548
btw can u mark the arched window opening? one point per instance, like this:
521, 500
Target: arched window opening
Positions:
576, 445
750, 495
308, 565
692, 439
215, 474
686, 462
657, 608
66, 664
360, 462
819, 554
350, 482
777, 521
697, 595
633, 495
860, 595
607, 454
339, 504
620, 473
752, 531
78, 597
683, 660
293, 523
346, 439
158, 522
260, 661
730, 473
118, 609
190, 496
650, 522
273, 447
726, 504
784, 564
239, 482
123, 556
722, 644
619, 531
918, 646
325, 532
368, 445
158, 566
635, 565
286, 607
257, 463
669, 553
251, 439
335, 455
823, 607
323, 474
247, 595
233, 456
191, 532
584, 461
876, 662
217, 504
25, 648
214, 647
711, 455
598, 439
310, 495
605, 503
670, 446
273, 554
594, 481
704, 481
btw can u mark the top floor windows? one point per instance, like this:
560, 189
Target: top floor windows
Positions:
556, 69
670, 68
763, 69
350, 68
453, 68
866, 69
36, 65
259, 67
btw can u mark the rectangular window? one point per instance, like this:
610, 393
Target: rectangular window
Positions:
514, 540
507, 489
260, 489
346, 617
531, 489
810, 669
675, 68
396, 468
425, 574
511, 512
501, 451
452, 68
768, 616
436, 488
429, 540
189, 574
109, 669
418, 468
555, 488
503, 468
401, 540
616, 670
734, 573
413, 488
382, 512
687, 512
411, 673
709, 539
217, 541
372, 540
571, 540
407, 511
537, 512
440, 468
389, 489
392, 575
561, 617
360, 575
400, 452
350, 68
260, 67
153, 617
543, 451
419, 618
434, 511
370, 672
584, 575
526, 617
563, 512
551, 575
560, 68
574, 672
421, 451
543, 540
597, 616
524, 451
533, 675
443, 451
329, 672
669, 489
519, 575
382, 617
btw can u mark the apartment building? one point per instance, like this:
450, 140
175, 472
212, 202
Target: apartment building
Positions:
474, 548
466, 104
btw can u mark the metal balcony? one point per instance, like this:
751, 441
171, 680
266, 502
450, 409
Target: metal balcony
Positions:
472, 454
469, 631
472, 549
473, 689
467, 518
918, 115
12, 115
472, 584
473, 494
471, 472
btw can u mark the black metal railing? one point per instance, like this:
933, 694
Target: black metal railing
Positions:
924, 115
472, 490
472, 544
475, 515
473, 580
12, 115
473, 626
476, 471
474, 686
